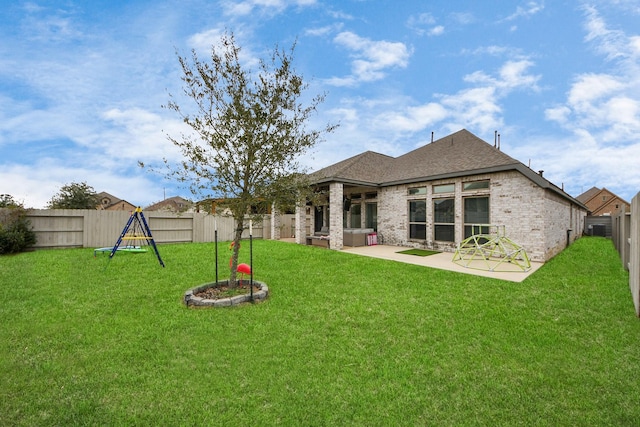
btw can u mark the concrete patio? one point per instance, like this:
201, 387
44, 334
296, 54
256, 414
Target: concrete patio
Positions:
443, 261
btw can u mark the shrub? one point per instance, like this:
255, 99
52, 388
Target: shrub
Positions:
16, 233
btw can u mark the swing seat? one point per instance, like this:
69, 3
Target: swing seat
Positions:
133, 249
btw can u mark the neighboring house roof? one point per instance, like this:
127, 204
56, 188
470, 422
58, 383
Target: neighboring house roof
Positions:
107, 201
176, 204
601, 201
588, 195
459, 154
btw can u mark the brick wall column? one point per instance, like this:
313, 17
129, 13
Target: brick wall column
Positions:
336, 194
300, 225
275, 223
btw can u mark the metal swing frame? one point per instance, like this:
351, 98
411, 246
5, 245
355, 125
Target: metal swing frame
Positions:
139, 232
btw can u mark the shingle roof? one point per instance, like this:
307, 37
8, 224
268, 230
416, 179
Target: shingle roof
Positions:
457, 153
364, 168
589, 194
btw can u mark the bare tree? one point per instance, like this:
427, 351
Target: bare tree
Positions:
248, 133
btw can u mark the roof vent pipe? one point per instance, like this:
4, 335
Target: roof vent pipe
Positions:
495, 138
540, 172
498, 141
431, 136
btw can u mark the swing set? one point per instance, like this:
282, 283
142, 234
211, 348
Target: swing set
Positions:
135, 234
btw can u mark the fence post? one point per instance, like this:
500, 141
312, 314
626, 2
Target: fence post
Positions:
634, 253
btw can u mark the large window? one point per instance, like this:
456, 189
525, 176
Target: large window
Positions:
371, 216
418, 219
476, 211
443, 220
356, 215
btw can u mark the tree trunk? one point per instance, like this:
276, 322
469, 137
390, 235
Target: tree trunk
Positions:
235, 252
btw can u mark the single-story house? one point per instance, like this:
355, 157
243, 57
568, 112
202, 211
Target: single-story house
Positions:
432, 196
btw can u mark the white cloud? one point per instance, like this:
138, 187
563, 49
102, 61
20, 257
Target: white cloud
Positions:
463, 18
35, 185
323, 31
612, 43
371, 58
415, 119
602, 113
592, 87
478, 107
530, 9
246, 7
436, 31
475, 108
51, 25
424, 23
421, 19
202, 41
512, 75
559, 114
634, 45
136, 134
605, 105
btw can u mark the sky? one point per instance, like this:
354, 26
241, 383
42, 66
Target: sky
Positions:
83, 84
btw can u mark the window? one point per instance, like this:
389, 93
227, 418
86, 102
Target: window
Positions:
371, 216
418, 219
476, 211
444, 188
443, 219
476, 185
417, 191
356, 215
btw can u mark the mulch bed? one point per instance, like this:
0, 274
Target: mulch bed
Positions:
223, 290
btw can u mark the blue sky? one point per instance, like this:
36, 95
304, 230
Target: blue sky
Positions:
82, 84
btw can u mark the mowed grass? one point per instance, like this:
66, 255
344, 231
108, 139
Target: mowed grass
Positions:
342, 340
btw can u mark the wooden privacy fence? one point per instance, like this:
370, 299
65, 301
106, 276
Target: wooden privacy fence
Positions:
626, 238
67, 228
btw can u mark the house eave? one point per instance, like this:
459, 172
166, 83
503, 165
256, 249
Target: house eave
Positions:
346, 181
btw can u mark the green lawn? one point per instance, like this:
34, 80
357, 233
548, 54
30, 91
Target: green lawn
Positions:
342, 340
